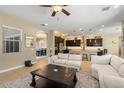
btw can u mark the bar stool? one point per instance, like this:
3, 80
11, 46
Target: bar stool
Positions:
85, 57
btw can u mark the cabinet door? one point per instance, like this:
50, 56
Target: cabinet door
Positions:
89, 42
98, 42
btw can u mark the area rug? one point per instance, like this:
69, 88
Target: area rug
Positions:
85, 80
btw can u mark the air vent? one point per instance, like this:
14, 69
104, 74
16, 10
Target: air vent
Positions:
44, 24
105, 8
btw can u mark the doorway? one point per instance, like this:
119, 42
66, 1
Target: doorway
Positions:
59, 44
41, 45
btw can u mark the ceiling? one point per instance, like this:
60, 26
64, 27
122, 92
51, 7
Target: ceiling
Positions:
84, 19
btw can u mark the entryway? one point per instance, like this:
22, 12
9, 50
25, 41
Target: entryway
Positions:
41, 45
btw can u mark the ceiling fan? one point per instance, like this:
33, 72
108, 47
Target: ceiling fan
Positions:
57, 8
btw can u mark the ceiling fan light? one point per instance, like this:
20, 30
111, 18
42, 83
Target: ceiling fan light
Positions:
57, 8
116, 6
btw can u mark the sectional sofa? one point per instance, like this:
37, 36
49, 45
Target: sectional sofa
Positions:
109, 70
68, 60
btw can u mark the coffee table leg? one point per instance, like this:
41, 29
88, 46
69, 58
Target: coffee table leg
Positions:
33, 84
74, 82
75, 79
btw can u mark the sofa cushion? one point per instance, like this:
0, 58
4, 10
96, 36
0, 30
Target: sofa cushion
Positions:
74, 63
54, 57
110, 81
108, 73
121, 70
75, 57
116, 62
62, 56
97, 67
105, 59
62, 61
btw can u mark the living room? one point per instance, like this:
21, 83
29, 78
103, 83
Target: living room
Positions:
31, 36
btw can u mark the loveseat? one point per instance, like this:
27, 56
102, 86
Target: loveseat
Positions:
68, 60
109, 70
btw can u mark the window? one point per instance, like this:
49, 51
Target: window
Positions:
11, 39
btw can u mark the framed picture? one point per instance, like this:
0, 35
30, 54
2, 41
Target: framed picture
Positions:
29, 41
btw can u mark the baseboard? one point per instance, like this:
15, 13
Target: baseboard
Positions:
41, 57
13, 68
34, 62
9, 69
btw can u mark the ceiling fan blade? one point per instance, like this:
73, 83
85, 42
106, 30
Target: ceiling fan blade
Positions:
54, 13
46, 5
65, 12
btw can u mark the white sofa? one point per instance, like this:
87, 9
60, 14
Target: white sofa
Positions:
109, 70
69, 60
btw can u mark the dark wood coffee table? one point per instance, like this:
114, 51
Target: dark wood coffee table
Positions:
54, 76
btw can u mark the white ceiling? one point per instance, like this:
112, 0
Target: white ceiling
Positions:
85, 17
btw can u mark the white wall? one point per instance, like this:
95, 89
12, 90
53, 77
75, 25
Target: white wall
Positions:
112, 44
111, 36
10, 60
50, 43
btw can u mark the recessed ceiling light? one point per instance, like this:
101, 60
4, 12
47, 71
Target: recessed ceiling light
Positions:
116, 6
44, 24
80, 29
